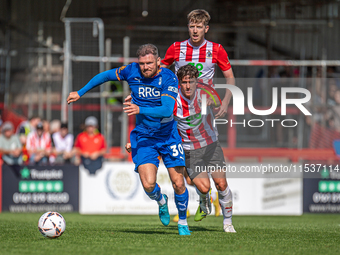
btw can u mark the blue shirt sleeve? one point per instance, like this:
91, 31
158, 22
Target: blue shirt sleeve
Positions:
163, 111
116, 74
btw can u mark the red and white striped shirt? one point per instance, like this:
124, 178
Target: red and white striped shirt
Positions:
34, 142
196, 130
204, 58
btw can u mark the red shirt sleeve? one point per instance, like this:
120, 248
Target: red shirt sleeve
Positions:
222, 59
169, 56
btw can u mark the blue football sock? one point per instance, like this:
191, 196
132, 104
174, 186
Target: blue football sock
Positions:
155, 194
182, 204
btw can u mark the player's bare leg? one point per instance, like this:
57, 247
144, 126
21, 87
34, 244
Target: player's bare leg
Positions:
148, 175
202, 184
226, 200
181, 198
177, 179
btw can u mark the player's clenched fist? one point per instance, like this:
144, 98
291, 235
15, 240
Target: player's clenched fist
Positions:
72, 97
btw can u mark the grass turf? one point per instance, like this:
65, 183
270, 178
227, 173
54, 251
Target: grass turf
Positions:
123, 234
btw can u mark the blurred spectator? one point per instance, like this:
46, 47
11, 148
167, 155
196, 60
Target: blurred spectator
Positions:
39, 145
10, 147
46, 126
91, 146
23, 130
54, 126
28, 126
115, 86
63, 144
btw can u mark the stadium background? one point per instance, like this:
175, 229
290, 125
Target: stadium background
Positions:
36, 71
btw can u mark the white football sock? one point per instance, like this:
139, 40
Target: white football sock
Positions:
226, 202
162, 201
183, 222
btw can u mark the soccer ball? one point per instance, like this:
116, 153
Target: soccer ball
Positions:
51, 224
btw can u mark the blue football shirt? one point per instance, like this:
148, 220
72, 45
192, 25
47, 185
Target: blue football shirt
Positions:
145, 92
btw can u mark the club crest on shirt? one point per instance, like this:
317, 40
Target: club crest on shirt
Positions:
173, 89
209, 54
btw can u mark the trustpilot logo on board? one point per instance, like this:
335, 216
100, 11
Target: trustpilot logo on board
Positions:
41, 180
41, 174
239, 106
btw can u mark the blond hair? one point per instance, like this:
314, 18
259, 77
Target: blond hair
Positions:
198, 16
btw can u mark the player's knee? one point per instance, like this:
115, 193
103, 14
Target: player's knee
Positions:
149, 187
178, 186
179, 190
221, 185
203, 187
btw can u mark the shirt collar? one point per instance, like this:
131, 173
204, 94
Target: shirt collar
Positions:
204, 42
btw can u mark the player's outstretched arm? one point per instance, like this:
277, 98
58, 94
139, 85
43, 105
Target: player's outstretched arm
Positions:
97, 80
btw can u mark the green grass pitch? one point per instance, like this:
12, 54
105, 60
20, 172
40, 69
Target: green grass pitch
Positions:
125, 234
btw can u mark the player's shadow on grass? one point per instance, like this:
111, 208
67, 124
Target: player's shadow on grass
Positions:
165, 231
198, 228
192, 228
147, 232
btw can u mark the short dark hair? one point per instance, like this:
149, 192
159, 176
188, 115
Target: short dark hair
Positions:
187, 70
146, 49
